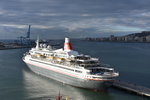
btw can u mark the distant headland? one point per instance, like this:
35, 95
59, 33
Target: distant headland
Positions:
143, 37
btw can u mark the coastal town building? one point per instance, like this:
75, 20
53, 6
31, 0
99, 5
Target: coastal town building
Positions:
135, 37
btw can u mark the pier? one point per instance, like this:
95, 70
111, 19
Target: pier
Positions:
139, 90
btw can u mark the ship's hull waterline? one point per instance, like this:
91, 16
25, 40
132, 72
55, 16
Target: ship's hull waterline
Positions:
73, 81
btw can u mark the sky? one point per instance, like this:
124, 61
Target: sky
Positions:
56, 19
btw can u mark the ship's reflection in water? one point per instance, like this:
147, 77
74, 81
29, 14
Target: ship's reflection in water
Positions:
40, 88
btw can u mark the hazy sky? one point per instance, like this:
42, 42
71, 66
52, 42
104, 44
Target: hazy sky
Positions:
73, 18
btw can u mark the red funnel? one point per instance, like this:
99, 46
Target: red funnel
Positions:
67, 45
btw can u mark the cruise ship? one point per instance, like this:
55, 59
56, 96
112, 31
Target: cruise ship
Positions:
69, 66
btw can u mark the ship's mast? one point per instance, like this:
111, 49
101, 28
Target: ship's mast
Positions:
37, 43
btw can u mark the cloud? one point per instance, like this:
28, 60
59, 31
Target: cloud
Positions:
76, 18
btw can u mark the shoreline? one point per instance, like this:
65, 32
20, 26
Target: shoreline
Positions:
6, 48
115, 41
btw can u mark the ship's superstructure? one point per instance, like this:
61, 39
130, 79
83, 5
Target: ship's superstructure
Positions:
68, 66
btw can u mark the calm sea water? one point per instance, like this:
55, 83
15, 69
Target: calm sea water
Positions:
131, 60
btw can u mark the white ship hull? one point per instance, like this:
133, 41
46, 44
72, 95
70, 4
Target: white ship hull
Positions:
68, 78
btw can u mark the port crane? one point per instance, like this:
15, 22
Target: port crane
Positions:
23, 39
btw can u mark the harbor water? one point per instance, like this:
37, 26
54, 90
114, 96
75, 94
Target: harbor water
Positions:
131, 60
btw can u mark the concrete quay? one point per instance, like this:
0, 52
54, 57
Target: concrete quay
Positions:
140, 90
